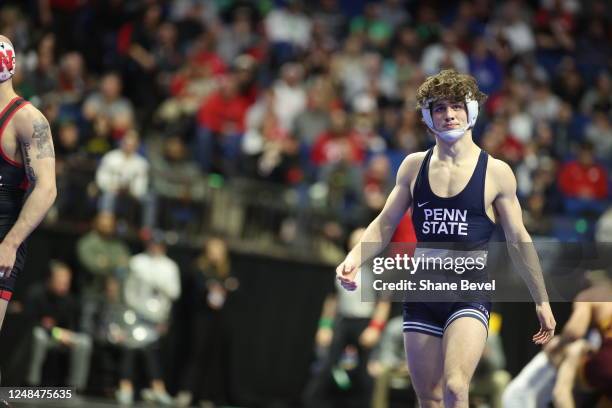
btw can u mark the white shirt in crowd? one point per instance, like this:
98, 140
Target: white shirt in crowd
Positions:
435, 54
118, 170
152, 285
289, 102
285, 26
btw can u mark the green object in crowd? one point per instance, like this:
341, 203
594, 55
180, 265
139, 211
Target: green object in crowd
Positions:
341, 378
581, 226
215, 180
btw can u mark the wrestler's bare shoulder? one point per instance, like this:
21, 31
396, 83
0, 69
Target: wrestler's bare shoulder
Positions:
29, 113
29, 119
409, 168
502, 176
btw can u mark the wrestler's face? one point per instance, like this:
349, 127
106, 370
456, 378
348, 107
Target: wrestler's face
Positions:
448, 115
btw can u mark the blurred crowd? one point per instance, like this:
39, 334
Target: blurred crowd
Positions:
148, 98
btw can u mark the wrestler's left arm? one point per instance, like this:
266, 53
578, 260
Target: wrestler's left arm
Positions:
521, 248
34, 138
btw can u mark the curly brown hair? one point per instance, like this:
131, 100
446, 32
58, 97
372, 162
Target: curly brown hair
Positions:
449, 85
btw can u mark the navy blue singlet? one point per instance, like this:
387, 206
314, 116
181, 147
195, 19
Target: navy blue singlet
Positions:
458, 223
460, 219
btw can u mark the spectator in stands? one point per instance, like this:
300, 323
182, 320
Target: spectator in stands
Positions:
583, 182
289, 95
340, 137
221, 123
124, 173
176, 182
288, 29
599, 133
348, 67
599, 96
168, 57
205, 376
513, 26
593, 50
377, 184
102, 254
343, 183
99, 139
113, 337
141, 65
239, 35
108, 102
485, 67
152, 285
42, 76
350, 329
544, 104
365, 122
315, 119
411, 136
443, 55
71, 165
537, 222
569, 84
56, 315
72, 82
270, 152
372, 27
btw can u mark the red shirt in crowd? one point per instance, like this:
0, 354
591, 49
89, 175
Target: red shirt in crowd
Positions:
579, 181
329, 148
220, 112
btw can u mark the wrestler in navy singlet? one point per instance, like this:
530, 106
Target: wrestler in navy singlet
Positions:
13, 185
459, 223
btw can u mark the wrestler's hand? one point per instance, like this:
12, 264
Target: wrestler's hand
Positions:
346, 273
7, 259
547, 324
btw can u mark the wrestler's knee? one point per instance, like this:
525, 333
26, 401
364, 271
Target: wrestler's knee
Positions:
456, 387
429, 395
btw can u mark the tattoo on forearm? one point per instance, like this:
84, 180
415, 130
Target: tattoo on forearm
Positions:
42, 137
27, 162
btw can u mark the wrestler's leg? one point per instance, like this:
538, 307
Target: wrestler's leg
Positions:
463, 343
424, 354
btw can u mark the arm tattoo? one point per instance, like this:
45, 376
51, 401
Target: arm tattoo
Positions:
42, 138
27, 162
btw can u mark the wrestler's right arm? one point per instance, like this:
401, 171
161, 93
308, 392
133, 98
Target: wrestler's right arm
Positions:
379, 232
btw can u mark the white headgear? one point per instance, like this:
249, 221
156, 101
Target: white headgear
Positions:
453, 134
7, 61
